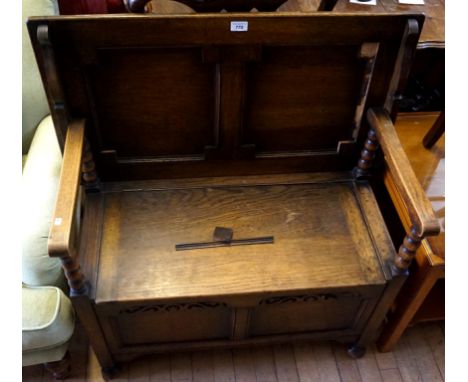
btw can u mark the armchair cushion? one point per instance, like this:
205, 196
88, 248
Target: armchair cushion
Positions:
40, 179
47, 324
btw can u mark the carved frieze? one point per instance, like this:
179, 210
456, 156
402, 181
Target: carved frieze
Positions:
173, 307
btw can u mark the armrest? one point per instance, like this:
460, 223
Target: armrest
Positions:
417, 204
60, 236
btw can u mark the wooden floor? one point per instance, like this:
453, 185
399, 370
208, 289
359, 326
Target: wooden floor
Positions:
419, 356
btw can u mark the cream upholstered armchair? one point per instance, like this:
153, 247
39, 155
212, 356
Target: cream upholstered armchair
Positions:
47, 313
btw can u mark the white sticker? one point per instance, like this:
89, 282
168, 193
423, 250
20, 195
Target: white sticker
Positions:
58, 221
239, 26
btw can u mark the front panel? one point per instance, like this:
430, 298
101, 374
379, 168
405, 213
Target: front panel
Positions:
132, 328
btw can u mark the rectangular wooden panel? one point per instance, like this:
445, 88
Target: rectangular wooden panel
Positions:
153, 102
173, 322
307, 313
302, 98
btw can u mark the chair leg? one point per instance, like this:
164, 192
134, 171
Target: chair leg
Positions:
435, 132
60, 369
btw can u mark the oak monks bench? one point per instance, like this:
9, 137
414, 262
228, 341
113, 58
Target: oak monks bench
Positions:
215, 182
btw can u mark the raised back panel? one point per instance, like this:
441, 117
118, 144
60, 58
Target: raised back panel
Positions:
185, 96
302, 98
154, 102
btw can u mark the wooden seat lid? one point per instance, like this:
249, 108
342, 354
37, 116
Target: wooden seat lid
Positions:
223, 94
328, 235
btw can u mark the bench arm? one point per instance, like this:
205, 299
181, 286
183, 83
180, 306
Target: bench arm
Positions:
419, 208
60, 236
63, 229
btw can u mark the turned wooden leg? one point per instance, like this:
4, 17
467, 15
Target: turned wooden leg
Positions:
366, 161
60, 369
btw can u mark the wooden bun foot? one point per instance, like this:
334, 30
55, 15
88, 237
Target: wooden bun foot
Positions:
60, 369
356, 352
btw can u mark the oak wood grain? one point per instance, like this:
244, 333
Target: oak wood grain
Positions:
293, 219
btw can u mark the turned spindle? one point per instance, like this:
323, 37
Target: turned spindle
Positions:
89, 176
407, 250
75, 277
366, 160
